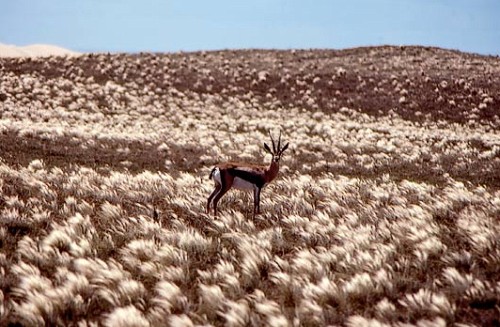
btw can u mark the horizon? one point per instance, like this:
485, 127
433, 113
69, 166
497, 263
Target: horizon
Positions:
168, 26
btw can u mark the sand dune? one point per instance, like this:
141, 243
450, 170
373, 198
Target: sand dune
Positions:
34, 50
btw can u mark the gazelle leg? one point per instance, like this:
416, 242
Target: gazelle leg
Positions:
256, 201
210, 198
225, 186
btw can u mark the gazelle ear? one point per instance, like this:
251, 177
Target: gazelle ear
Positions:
284, 148
267, 148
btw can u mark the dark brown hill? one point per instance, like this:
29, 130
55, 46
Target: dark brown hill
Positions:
416, 82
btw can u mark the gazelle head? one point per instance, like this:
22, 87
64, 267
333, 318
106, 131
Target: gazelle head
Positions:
277, 150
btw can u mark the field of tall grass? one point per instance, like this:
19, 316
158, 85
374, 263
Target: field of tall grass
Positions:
385, 211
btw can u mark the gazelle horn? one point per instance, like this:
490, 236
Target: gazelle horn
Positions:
272, 140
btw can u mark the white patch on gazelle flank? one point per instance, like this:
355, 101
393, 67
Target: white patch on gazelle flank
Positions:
242, 184
238, 183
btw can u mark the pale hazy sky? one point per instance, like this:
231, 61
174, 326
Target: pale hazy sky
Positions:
168, 25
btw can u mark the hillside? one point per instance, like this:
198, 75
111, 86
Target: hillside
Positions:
416, 84
444, 84
385, 210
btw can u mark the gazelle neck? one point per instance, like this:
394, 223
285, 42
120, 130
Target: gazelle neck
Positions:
272, 171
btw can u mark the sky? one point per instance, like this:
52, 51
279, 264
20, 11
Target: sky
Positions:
190, 25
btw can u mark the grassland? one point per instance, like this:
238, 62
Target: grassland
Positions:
386, 210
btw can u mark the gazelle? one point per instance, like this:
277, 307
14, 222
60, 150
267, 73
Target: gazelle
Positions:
245, 176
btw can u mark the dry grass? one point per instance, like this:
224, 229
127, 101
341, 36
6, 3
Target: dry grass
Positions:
385, 211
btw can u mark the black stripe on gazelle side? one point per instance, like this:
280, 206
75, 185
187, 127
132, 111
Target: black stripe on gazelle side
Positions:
256, 179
